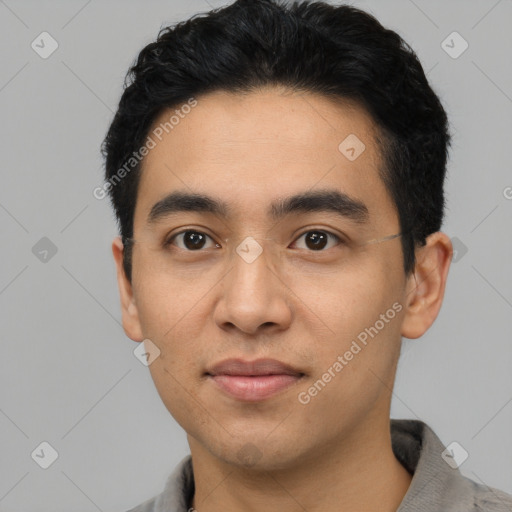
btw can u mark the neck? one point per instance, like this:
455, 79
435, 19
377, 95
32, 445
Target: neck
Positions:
356, 474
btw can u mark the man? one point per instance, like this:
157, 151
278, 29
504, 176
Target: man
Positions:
277, 174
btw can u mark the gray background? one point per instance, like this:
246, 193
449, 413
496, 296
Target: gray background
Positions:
68, 374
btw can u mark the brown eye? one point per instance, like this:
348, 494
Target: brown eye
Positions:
316, 240
191, 240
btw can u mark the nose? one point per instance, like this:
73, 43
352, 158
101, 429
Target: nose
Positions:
254, 297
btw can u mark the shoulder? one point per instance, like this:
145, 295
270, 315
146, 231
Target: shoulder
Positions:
490, 499
177, 494
146, 506
437, 482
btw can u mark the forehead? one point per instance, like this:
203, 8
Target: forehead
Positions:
255, 148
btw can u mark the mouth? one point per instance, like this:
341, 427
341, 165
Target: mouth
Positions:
253, 381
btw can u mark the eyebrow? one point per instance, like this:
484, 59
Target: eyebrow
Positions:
327, 200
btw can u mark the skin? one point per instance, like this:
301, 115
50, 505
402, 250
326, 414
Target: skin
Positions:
333, 454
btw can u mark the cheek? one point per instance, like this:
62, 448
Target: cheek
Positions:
344, 301
172, 316
167, 296
177, 331
358, 317
176, 390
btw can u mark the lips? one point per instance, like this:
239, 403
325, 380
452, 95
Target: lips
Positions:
253, 381
253, 368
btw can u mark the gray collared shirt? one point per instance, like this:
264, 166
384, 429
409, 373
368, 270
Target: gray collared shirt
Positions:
435, 486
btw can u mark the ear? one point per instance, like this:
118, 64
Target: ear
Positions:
426, 285
130, 315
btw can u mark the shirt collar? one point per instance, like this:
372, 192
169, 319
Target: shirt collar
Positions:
435, 485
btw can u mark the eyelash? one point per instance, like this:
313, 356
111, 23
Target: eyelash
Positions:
169, 241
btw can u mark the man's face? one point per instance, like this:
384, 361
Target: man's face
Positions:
303, 300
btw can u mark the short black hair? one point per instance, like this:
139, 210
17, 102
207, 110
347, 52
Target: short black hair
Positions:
340, 52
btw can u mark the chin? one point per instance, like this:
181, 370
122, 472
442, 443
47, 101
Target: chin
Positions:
257, 455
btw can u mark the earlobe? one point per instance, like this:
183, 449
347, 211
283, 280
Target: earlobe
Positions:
129, 311
426, 285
